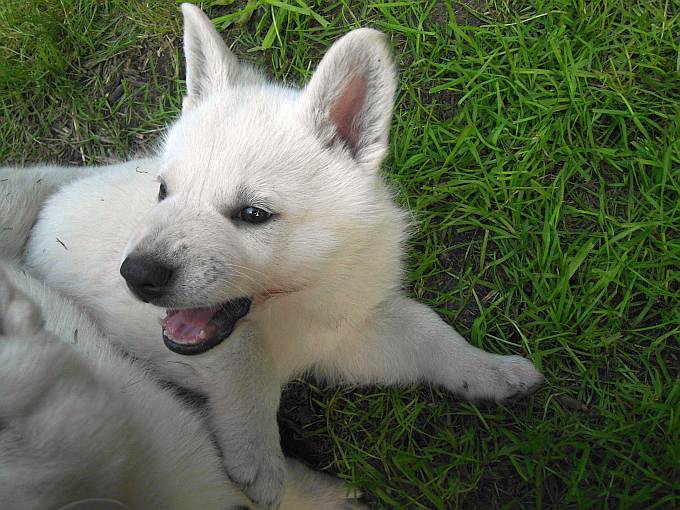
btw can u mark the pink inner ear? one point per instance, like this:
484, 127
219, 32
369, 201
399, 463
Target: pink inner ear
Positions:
345, 109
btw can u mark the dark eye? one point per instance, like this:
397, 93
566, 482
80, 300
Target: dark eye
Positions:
162, 192
254, 215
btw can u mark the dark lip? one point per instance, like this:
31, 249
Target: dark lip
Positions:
191, 350
194, 349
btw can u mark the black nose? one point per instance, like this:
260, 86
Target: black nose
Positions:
147, 278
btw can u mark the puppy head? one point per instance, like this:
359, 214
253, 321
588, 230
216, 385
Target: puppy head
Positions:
263, 187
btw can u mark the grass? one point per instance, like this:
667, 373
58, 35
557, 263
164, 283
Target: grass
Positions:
538, 144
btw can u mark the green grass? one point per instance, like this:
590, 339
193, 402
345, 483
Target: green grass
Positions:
538, 144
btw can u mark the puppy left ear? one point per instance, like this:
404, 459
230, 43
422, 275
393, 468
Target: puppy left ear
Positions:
350, 97
210, 65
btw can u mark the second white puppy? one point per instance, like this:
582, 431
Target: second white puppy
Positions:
84, 427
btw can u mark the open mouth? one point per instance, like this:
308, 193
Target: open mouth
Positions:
196, 330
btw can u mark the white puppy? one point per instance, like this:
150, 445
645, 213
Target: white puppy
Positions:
269, 215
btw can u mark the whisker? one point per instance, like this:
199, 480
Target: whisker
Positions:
255, 281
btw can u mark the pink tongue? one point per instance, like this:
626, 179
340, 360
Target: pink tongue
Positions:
186, 326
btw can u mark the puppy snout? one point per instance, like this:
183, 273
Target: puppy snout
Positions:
146, 277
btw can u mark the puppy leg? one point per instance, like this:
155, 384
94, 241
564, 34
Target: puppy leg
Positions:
22, 193
310, 490
244, 395
408, 342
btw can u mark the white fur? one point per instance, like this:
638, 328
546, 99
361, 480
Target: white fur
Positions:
21, 196
326, 272
85, 427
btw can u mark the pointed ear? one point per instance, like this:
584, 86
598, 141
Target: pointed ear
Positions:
210, 65
350, 96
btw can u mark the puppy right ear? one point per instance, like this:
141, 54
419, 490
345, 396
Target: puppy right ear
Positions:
348, 102
210, 65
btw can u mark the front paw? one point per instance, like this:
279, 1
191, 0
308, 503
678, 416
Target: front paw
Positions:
515, 377
18, 314
498, 379
260, 473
